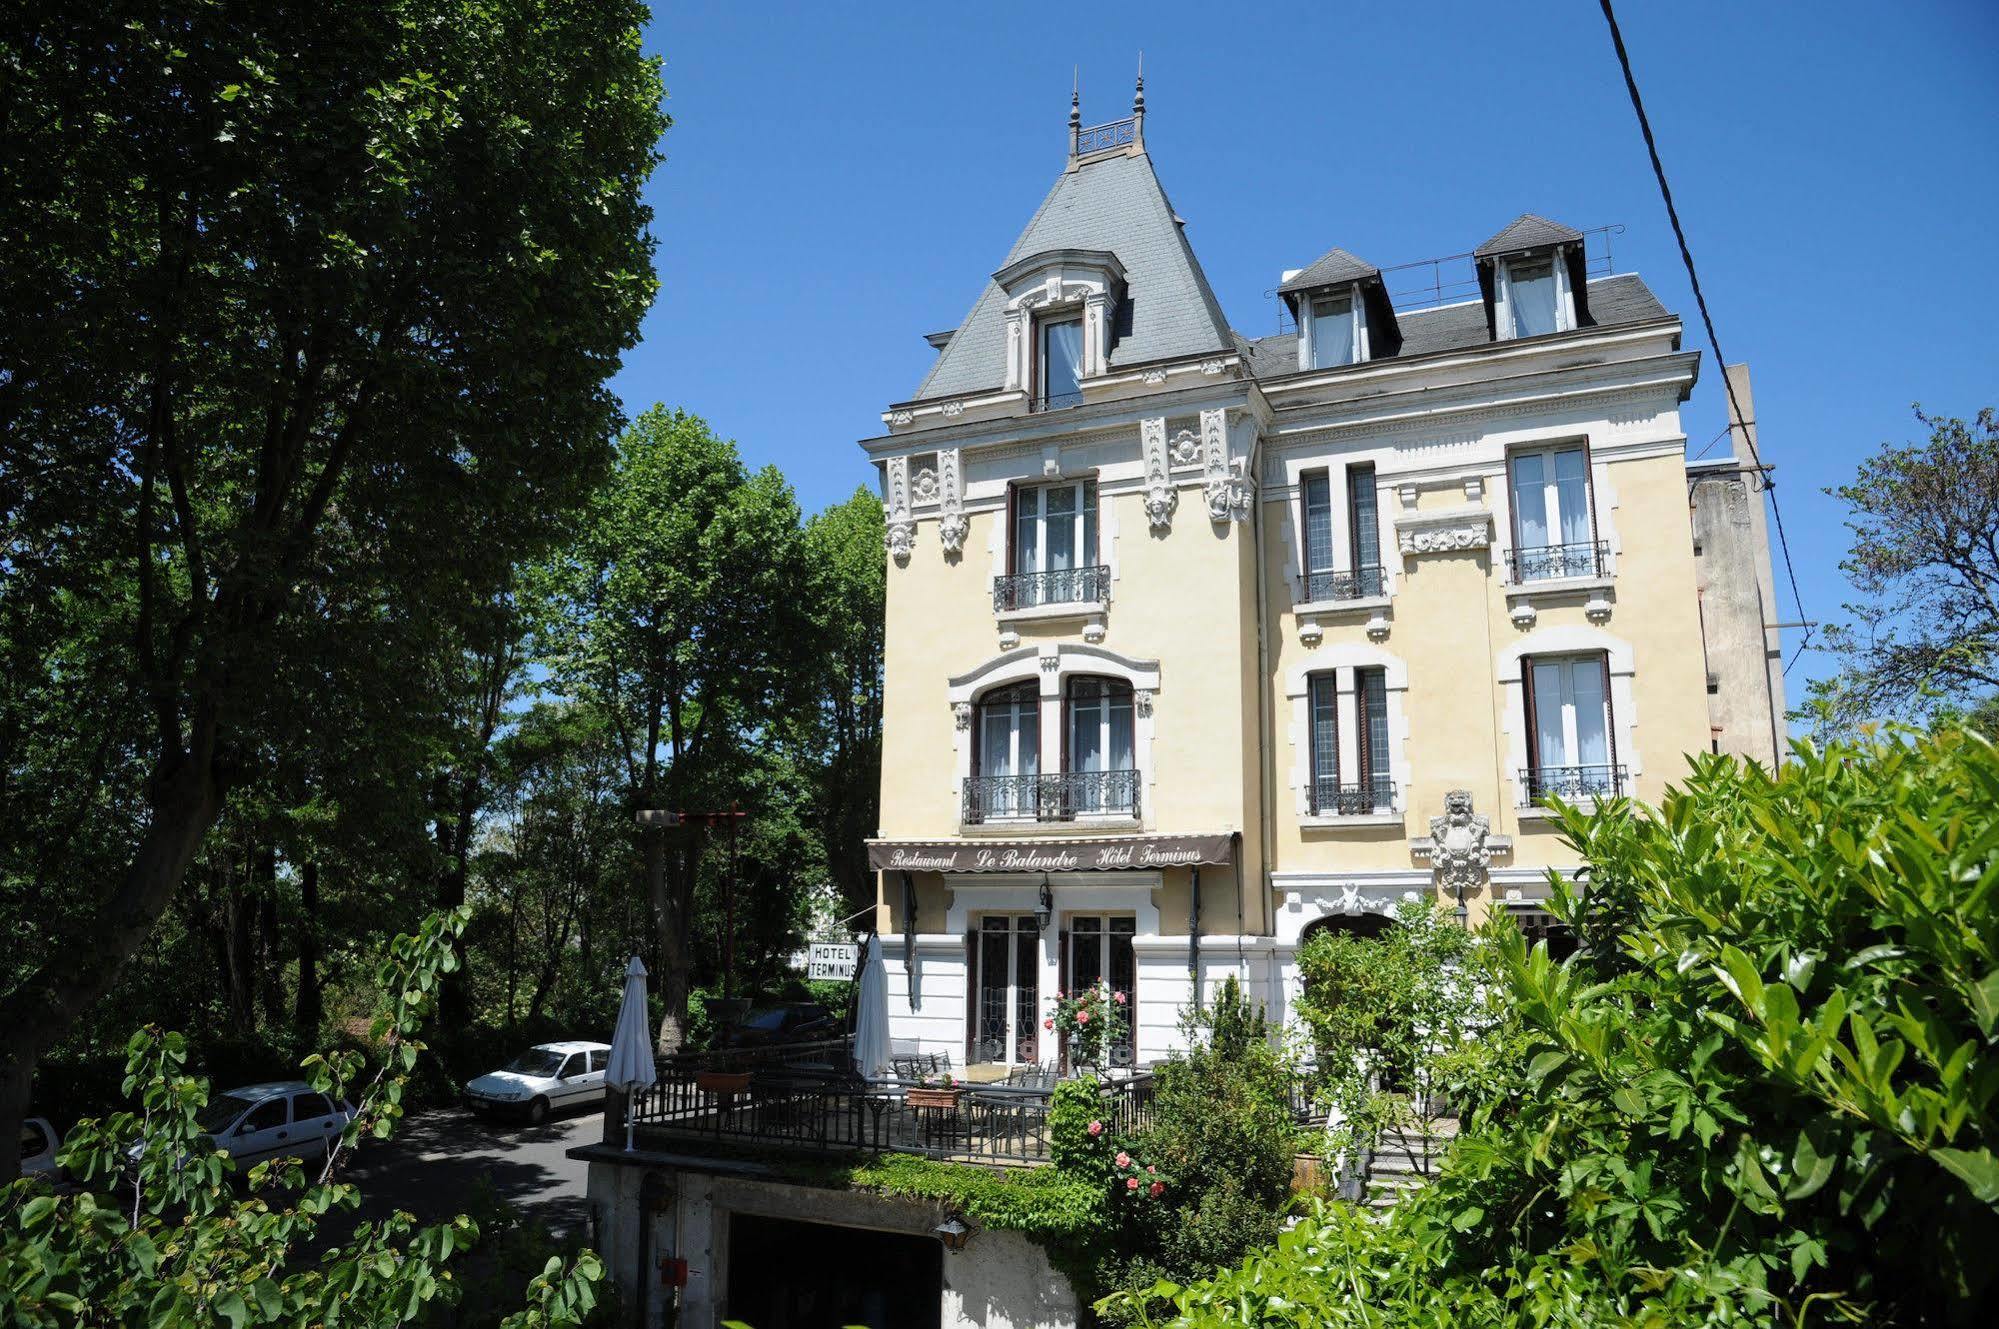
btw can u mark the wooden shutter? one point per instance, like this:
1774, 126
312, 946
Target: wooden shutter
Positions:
1012, 526
1304, 535
971, 991
1527, 713
1363, 737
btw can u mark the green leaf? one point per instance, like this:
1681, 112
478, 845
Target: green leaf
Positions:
229, 1304
1544, 1065
1977, 1168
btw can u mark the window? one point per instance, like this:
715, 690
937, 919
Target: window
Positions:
1100, 775
1053, 551
310, 1107
1007, 737
1571, 744
267, 1115
1009, 991
1096, 949
1061, 361
1540, 926
1363, 575
1553, 529
1371, 789
1530, 296
1364, 528
598, 1060
1335, 331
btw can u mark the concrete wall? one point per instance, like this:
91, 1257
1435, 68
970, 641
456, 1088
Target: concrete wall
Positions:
1001, 1280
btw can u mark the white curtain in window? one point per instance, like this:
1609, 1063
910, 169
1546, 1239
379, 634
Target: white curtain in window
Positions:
1060, 505
1530, 500
1572, 496
1010, 737
1586, 686
1332, 332
1062, 349
1550, 704
1531, 298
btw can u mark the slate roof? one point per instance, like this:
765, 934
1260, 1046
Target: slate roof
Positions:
1619, 299
1333, 268
1527, 231
1114, 203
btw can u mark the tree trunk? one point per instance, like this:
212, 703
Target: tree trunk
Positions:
269, 975
185, 798
310, 1006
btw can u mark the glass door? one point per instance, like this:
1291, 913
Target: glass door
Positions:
1100, 952
1009, 991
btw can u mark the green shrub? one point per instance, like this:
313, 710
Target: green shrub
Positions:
1765, 1096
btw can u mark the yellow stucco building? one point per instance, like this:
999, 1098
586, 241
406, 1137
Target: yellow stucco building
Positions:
1197, 642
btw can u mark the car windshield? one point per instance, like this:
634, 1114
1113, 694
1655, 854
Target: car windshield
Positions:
536, 1061
221, 1110
766, 1020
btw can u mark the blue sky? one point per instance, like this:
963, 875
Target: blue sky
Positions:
839, 180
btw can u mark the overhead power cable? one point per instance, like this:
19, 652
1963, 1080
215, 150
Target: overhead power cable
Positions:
1736, 413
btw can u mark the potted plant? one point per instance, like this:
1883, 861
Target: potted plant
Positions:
936, 1091
1092, 1021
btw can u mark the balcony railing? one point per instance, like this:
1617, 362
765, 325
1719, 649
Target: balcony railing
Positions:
1571, 784
1588, 558
1360, 584
1100, 138
1031, 590
1064, 797
700, 1099
1057, 401
1330, 798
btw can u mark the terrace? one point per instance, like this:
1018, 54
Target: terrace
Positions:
806, 1097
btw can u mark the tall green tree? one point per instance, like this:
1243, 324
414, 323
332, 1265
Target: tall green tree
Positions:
681, 611
1925, 557
303, 303
844, 547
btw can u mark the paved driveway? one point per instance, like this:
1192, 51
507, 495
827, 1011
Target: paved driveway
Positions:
436, 1157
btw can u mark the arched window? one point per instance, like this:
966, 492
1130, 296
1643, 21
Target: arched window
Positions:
1006, 756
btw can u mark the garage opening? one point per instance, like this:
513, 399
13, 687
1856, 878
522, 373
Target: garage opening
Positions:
785, 1274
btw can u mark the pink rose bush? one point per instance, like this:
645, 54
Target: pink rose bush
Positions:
1092, 1021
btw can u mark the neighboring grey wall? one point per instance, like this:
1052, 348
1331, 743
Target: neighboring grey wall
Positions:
1001, 1280
1738, 595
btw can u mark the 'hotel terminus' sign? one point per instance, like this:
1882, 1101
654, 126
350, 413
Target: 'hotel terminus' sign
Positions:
1124, 854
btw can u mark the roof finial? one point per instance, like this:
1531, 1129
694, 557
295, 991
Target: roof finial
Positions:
1075, 111
1138, 105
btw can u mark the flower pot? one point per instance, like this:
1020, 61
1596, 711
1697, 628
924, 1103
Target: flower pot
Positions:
932, 1098
722, 1082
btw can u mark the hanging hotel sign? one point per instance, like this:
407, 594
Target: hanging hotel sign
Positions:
1124, 854
832, 959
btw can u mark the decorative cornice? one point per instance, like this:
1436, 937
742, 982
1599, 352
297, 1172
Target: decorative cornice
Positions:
1443, 531
1161, 498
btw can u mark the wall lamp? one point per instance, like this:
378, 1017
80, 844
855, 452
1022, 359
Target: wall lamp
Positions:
1044, 908
953, 1233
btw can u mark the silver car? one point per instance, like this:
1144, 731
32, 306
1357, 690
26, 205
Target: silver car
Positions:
287, 1118
546, 1077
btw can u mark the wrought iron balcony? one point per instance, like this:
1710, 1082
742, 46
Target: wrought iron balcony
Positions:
1032, 590
1587, 558
1571, 784
1330, 798
1360, 584
1056, 401
1064, 797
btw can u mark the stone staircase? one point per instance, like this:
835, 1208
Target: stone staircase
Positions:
1403, 1160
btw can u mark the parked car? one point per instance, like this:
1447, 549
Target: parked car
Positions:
39, 1144
286, 1118
790, 1022
545, 1077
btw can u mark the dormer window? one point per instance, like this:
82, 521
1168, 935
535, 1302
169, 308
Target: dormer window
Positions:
1336, 325
1061, 361
1531, 297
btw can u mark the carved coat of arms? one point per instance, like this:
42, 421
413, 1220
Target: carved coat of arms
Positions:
1462, 844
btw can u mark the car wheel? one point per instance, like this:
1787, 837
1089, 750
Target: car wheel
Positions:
538, 1112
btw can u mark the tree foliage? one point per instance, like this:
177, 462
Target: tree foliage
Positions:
1925, 523
1771, 1103
310, 312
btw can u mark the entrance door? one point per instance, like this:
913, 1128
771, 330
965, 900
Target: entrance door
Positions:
1009, 990
1098, 950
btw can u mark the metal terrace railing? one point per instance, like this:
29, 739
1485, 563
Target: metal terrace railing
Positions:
1359, 584
1571, 783
1584, 558
1330, 798
711, 1099
1089, 584
1101, 138
1061, 797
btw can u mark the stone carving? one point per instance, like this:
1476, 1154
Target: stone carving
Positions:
1186, 448
1160, 496
954, 409
900, 535
902, 417
1142, 699
1154, 377
962, 711
1444, 532
925, 485
1213, 367
953, 526
1229, 488
1050, 663
1460, 845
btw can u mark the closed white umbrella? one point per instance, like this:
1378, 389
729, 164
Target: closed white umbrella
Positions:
631, 1045
871, 1016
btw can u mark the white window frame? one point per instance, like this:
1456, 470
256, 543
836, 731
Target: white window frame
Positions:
1341, 659
1014, 931
1042, 322
1308, 338
1552, 513
1572, 714
1567, 639
1558, 272
1083, 528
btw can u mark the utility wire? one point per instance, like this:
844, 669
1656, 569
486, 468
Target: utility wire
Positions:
1736, 413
